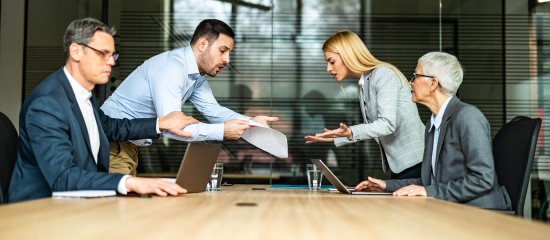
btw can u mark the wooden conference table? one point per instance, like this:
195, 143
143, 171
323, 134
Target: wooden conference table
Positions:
238, 212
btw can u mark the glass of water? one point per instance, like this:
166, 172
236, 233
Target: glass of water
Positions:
314, 177
216, 178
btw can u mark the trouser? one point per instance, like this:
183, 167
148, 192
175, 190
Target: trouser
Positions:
412, 172
123, 158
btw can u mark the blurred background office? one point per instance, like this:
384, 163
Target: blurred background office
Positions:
277, 68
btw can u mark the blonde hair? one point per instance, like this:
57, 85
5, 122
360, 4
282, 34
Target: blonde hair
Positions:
355, 54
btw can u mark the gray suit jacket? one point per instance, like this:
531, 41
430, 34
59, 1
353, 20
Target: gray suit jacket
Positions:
465, 170
391, 118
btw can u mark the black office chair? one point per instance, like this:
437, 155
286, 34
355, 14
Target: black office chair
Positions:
8, 150
514, 149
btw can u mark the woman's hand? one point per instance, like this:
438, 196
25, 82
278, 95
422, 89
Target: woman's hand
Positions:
330, 135
371, 185
411, 190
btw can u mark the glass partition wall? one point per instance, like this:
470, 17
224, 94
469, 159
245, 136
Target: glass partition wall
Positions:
277, 68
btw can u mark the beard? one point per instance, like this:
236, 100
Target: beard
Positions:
206, 60
212, 72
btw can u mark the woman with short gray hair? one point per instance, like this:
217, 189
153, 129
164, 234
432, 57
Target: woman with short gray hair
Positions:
446, 67
458, 163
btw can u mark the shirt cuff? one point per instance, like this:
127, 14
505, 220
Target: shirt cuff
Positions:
122, 185
157, 127
216, 130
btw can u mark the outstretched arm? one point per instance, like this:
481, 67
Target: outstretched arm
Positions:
330, 135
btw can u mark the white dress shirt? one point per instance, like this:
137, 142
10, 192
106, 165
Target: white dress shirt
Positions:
83, 98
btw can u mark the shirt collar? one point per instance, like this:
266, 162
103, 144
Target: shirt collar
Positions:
363, 77
79, 91
362, 80
191, 62
436, 120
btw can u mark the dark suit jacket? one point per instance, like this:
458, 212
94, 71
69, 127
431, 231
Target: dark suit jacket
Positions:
54, 154
465, 170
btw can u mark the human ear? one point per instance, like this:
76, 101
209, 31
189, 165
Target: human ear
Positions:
202, 44
75, 52
434, 83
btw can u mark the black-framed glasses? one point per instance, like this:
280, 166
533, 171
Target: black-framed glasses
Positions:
415, 75
105, 55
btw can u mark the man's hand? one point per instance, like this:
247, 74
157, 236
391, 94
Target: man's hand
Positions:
233, 129
158, 186
371, 185
175, 122
264, 120
411, 190
329, 135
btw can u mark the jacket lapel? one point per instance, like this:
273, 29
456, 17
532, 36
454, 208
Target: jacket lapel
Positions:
443, 128
102, 159
370, 105
62, 78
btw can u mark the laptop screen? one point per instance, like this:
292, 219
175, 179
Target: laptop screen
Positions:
197, 165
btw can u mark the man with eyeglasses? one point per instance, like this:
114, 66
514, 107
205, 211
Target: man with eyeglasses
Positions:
63, 142
103, 54
164, 82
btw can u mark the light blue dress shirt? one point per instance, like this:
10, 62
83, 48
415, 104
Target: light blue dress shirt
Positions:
161, 85
436, 123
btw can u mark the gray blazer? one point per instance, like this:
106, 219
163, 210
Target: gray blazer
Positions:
391, 118
465, 170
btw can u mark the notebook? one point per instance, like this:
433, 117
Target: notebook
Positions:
196, 166
337, 183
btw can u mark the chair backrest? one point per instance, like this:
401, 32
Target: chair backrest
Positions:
8, 150
514, 149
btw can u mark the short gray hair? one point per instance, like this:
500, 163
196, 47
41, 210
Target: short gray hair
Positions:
82, 30
445, 67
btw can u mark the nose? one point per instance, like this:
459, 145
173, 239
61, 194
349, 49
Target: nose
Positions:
328, 68
227, 59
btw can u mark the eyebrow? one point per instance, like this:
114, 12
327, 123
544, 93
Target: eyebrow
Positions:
328, 59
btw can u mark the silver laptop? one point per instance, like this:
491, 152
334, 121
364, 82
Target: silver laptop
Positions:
337, 183
197, 165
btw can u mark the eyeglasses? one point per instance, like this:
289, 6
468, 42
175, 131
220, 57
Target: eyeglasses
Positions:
104, 54
415, 75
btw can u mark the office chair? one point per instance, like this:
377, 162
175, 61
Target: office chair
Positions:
513, 150
8, 150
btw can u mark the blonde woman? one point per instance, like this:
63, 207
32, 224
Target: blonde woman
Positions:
389, 115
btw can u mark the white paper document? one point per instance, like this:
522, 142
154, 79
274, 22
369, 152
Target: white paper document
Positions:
84, 194
256, 124
267, 139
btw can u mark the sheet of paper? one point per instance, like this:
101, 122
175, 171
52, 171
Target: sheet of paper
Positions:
267, 139
84, 194
256, 124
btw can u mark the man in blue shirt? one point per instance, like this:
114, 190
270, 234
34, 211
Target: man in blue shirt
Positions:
163, 83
